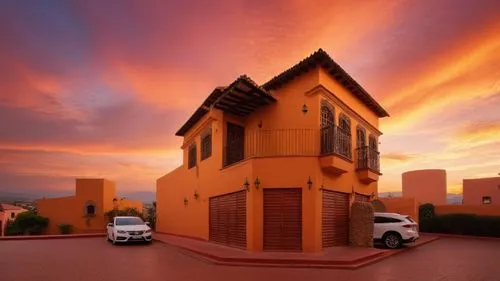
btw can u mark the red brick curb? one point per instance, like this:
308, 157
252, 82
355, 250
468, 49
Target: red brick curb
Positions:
395, 252
47, 237
462, 236
182, 236
293, 263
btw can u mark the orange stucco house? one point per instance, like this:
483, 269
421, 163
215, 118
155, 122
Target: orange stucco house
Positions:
85, 210
275, 167
8, 212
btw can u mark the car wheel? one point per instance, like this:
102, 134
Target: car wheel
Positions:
393, 240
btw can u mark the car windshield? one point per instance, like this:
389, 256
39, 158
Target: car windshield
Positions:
129, 221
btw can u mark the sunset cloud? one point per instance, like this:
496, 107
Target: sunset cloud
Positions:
99, 90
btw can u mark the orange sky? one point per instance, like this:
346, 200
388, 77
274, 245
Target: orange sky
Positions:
99, 90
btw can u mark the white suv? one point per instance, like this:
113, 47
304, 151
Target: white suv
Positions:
128, 229
394, 229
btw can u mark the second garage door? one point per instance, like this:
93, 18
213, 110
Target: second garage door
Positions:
335, 218
228, 219
283, 219
361, 197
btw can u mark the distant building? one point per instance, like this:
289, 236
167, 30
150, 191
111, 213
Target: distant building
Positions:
426, 186
482, 191
8, 212
85, 210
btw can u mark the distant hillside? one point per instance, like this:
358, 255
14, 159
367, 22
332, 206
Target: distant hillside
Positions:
144, 196
450, 197
6, 196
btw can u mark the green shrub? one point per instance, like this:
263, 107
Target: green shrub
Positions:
462, 224
125, 212
27, 224
11, 229
152, 217
65, 228
426, 211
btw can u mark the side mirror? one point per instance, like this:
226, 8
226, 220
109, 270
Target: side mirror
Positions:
110, 224
148, 223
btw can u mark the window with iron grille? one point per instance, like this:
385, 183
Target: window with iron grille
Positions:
345, 123
206, 146
372, 142
327, 119
192, 156
361, 137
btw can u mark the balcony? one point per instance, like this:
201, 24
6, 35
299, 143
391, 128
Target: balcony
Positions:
273, 143
336, 153
332, 145
368, 164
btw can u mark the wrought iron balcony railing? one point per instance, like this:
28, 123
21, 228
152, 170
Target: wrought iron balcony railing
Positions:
334, 140
368, 158
289, 142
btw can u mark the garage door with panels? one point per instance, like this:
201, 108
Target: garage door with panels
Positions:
335, 218
361, 197
228, 219
282, 219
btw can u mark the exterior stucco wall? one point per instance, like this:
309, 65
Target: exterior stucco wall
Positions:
71, 210
401, 205
475, 189
426, 186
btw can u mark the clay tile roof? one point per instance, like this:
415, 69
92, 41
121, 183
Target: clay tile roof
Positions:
224, 97
241, 97
9, 207
322, 59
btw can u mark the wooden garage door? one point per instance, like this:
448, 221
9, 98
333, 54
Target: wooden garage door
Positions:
228, 219
283, 219
335, 218
361, 197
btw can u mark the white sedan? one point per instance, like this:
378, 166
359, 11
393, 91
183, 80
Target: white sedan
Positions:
129, 229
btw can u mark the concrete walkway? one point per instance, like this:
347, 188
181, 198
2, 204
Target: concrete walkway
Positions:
335, 257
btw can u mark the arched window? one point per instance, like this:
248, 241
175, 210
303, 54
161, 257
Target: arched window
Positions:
327, 124
327, 113
90, 209
345, 123
372, 142
361, 137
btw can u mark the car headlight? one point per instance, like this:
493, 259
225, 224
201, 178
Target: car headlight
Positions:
122, 231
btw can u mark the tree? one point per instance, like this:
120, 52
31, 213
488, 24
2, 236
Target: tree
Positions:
125, 212
152, 216
27, 224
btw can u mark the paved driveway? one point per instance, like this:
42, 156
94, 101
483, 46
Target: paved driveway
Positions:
93, 259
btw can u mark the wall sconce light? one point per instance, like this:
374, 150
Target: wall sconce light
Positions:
246, 184
185, 201
304, 108
196, 195
260, 124
257, 183
309, 183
